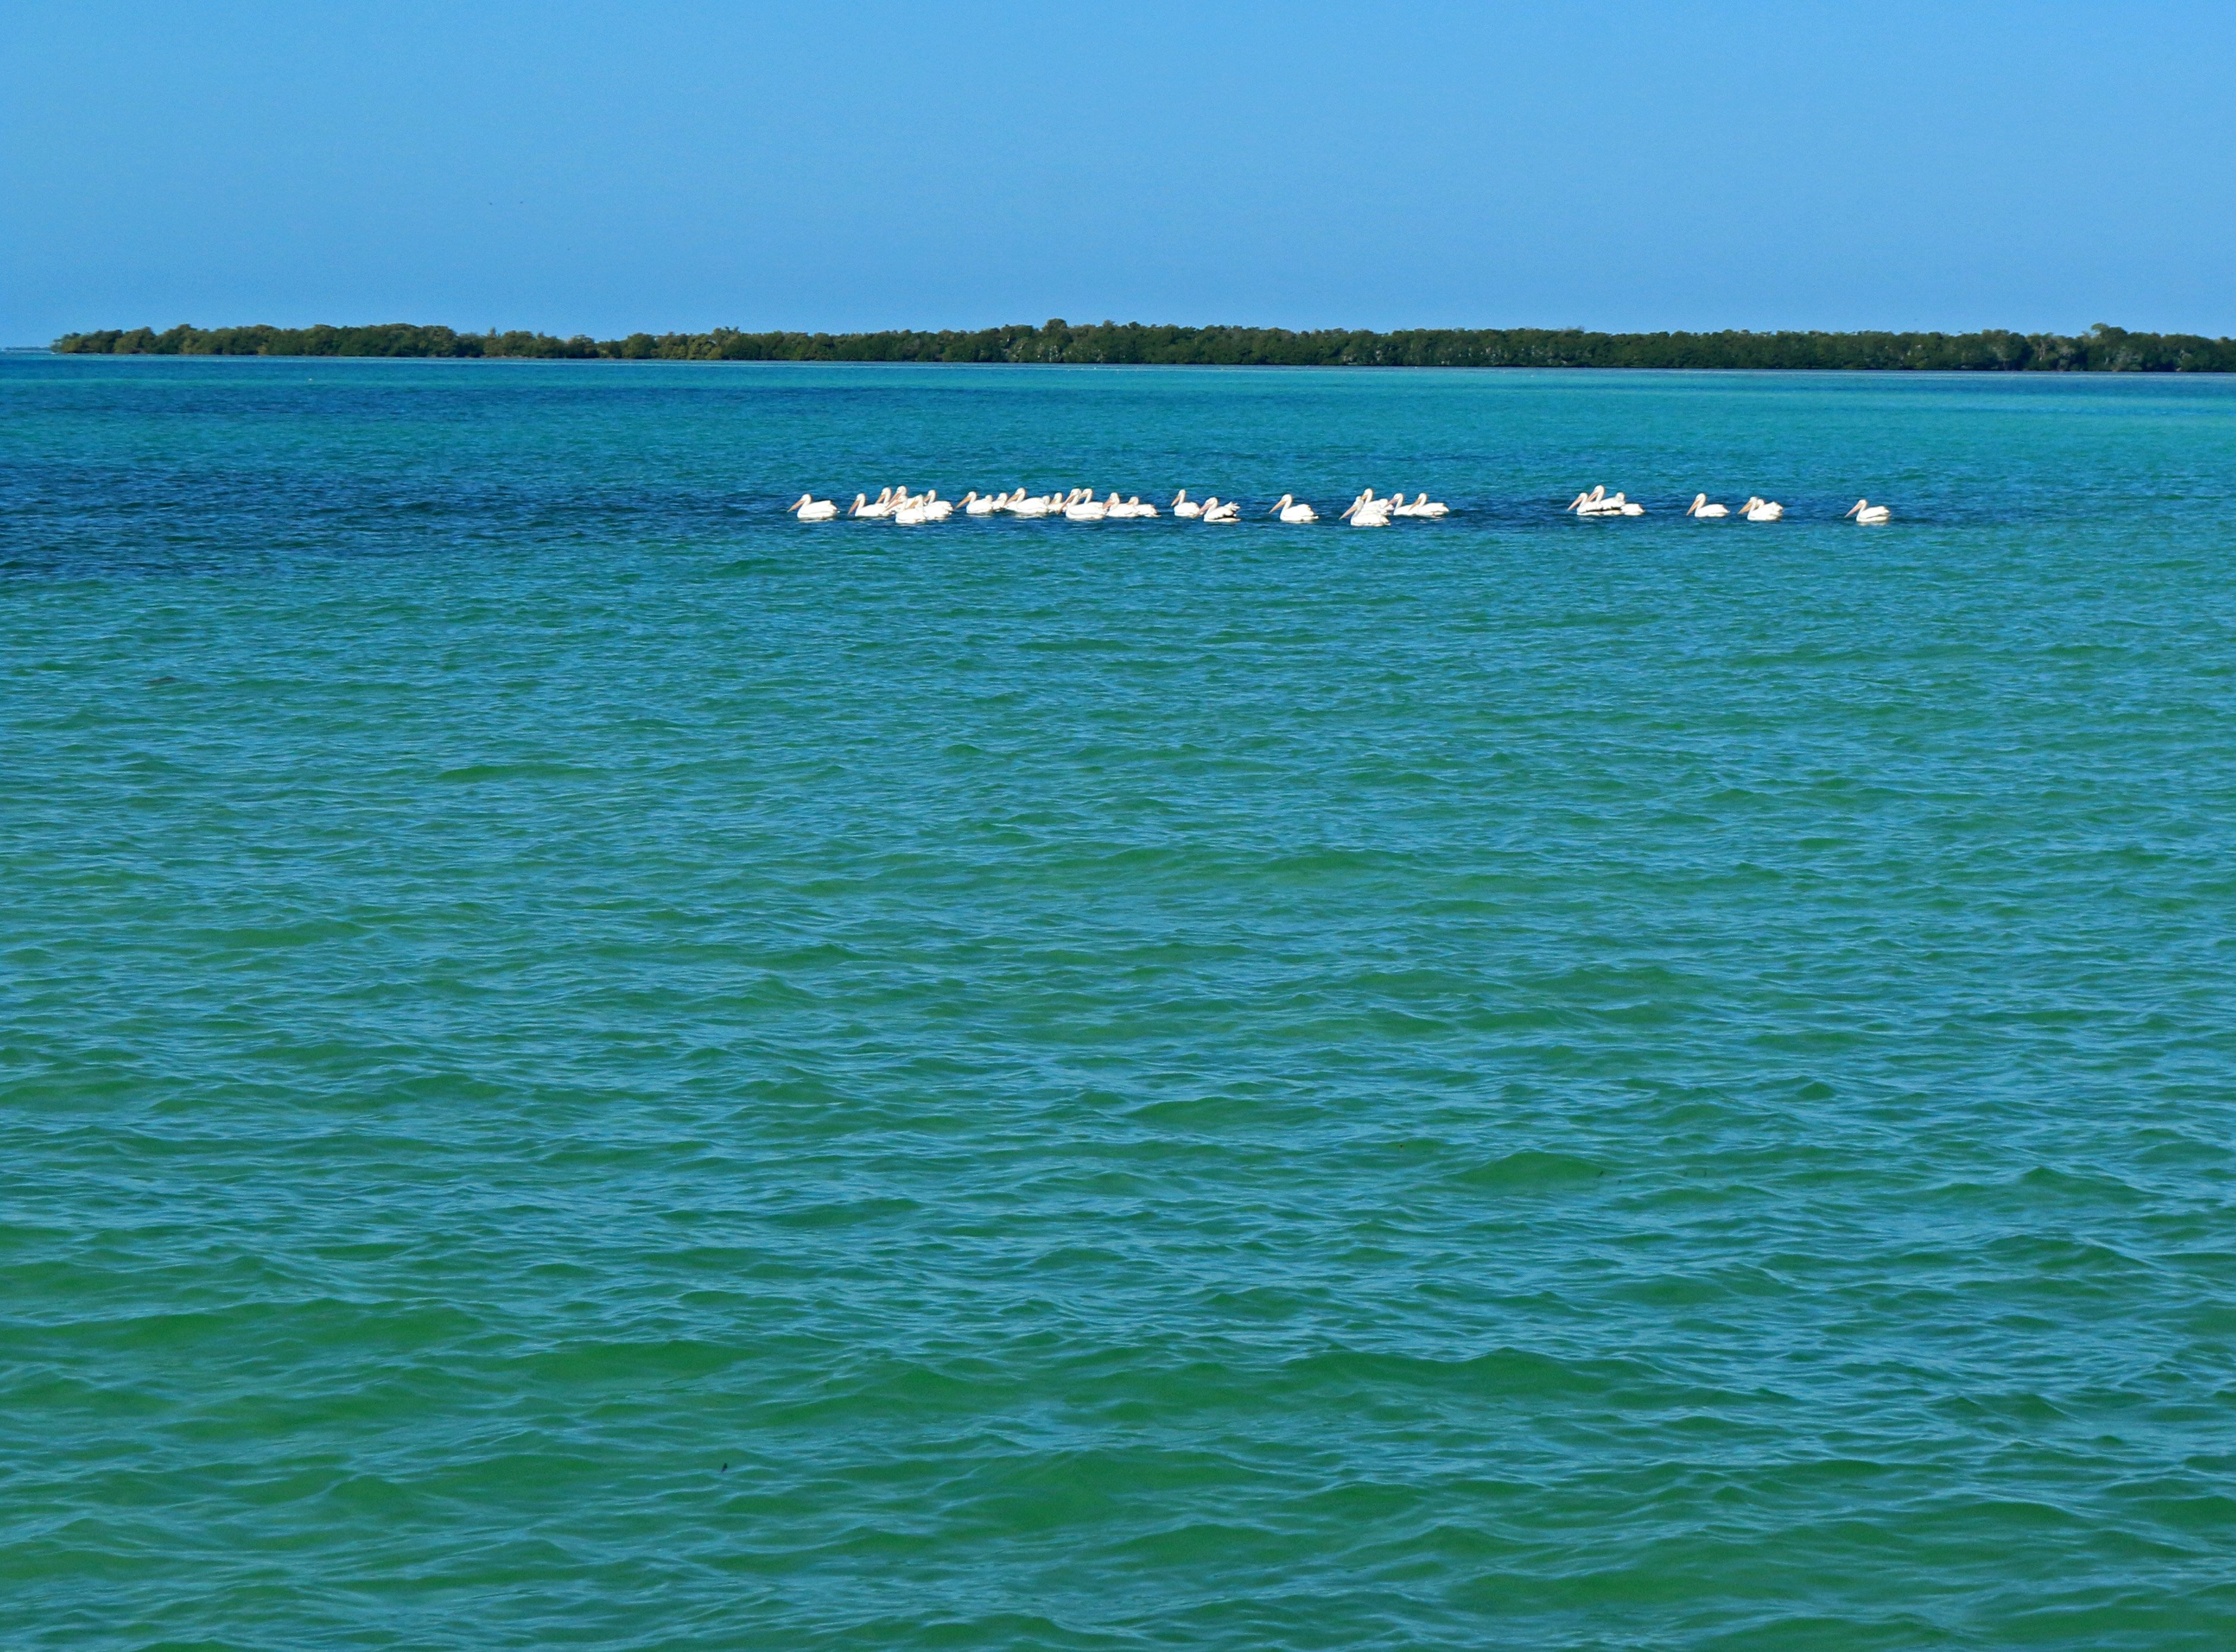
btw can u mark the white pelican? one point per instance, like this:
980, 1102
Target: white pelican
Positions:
1090, 508
1760, 509
1367, 512
1131, 507
1422, 506
808, 508
1038, 505
976, 503
937, 509
1289, 509
1214, 511
1701, 509
884, 507
1600, 502
1184, 506
912, 512
1869, 514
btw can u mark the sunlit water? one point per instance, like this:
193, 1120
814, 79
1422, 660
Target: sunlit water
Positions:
583, 1064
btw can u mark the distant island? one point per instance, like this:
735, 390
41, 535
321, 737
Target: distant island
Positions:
2102, 349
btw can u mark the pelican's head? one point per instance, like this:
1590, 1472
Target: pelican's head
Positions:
1281, 505
1693, 509
1854, 508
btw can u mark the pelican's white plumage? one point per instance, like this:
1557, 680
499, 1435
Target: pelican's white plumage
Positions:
808, 508
1214, 511
1701, 509
1760, 509
1367, 512
1089, 509
1184, 506
1600, 502
1289, 509
912, 509
1869, 514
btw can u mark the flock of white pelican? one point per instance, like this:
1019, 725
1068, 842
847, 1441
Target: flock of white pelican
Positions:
1081, 504
1600, 502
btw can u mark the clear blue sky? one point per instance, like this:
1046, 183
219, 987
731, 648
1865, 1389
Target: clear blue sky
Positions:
604, 167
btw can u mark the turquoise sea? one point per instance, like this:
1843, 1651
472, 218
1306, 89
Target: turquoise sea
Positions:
585, 1065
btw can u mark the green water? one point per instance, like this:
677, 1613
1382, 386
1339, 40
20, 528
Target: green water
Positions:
583, 1064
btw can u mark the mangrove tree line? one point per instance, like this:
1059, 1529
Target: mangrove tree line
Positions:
2102, 349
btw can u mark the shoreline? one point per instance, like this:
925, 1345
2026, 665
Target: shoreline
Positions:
2102, 349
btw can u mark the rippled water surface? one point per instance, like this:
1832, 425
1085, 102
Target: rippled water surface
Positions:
583, 1064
